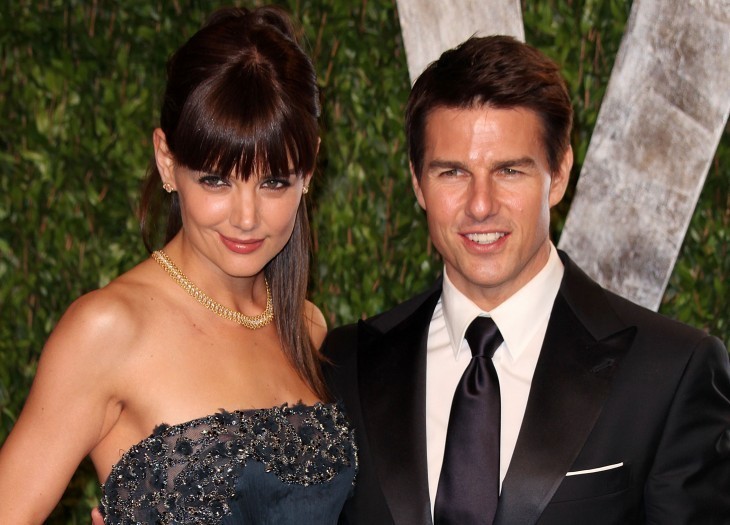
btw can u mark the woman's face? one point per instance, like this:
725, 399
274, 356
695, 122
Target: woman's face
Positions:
238, 225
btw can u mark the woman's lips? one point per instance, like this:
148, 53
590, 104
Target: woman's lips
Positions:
242, 246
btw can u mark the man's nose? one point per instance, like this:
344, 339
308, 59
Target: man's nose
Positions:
481, 199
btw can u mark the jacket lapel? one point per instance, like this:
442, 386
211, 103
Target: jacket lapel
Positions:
584, 344
392, 379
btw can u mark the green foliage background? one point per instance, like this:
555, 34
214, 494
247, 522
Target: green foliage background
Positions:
80, 83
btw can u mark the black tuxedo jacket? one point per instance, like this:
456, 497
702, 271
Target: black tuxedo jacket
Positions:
614, 383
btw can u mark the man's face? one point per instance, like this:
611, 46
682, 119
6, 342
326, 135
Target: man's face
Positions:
487, 191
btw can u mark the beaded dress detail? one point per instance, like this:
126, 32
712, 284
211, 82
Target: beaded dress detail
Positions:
281, 465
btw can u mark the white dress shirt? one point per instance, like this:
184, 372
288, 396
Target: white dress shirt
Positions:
522, 319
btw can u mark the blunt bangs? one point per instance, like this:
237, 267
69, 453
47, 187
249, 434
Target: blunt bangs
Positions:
237, 125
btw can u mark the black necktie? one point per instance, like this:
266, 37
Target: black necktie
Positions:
468, 487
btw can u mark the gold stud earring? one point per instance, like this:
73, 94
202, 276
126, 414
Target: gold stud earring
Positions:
167, 187
305, 190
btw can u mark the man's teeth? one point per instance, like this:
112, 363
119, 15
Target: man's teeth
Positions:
484, 238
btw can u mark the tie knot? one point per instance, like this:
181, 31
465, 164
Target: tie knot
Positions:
483, 337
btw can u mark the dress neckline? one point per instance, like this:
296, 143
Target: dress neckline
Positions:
224, 418
225, 415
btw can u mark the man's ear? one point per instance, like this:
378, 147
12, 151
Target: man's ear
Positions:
417, 188
163, 158
559, 180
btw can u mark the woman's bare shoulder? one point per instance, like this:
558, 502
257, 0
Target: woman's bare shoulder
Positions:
81, 385
107, 318
316, 323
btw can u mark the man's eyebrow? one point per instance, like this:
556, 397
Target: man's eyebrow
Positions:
522, 162
445, 164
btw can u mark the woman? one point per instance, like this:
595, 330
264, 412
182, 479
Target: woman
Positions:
210, 329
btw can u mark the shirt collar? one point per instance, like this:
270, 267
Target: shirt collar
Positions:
517, 318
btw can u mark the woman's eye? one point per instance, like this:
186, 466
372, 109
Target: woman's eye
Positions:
275, 183
213, 181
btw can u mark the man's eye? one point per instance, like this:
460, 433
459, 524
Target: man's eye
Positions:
450, 173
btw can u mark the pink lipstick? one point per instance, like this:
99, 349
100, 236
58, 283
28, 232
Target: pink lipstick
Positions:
242, 246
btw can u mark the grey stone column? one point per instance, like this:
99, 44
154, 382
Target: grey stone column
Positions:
430, 27
661, 119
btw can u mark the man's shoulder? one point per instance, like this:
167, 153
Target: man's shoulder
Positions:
592, 301
660, 331
386, 320
345, 338
383, 322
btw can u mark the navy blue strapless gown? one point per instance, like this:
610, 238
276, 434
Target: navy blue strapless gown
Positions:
281, 465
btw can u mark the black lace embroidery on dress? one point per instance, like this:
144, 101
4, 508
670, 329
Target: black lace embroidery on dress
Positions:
186, 473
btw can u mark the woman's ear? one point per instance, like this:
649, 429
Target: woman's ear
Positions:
164, 159
308, 177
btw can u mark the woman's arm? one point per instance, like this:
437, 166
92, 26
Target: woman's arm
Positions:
316, 323
71, 406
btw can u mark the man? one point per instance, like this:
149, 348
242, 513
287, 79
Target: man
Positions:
605, 412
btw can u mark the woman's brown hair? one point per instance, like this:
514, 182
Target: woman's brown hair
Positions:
242, 99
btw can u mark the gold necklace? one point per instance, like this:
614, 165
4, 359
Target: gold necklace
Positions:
252, 322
